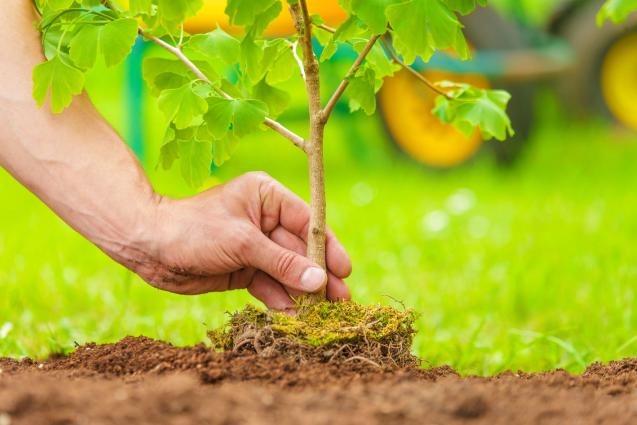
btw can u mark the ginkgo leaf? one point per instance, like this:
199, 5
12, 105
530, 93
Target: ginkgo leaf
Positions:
465, 7
245, 12
223, 149
169, 151
346, 31
362, 91
264, 19
616, 10
278, 62
216, 44
58, 4
59, 79
140, 7
377, 59
242, 116
469, 108
176, 11
114, 41
195, 158
182, 105
420, 27
276, 99
372, 13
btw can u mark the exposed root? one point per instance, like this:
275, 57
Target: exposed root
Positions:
379, 336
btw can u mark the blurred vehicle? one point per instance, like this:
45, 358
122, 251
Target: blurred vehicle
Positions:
594, 68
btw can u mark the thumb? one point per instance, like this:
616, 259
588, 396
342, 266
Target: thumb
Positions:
289, 268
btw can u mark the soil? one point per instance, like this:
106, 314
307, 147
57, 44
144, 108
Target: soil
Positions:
141, 381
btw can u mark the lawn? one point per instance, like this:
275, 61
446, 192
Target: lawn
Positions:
528, 268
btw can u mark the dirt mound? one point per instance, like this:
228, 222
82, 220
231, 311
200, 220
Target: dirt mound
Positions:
142, 381
134, 356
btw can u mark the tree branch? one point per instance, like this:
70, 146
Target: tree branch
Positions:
325, 28
297, 140
413, 72
327, 111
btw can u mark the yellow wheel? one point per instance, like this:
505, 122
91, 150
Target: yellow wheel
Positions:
212, 14
619, 80
406, 105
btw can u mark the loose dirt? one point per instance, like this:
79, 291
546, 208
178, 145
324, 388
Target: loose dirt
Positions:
141, 381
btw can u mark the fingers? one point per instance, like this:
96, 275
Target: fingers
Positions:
337, 289
280, 206
271, 293
293, 270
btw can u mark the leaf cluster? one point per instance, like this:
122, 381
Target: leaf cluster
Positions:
217, 88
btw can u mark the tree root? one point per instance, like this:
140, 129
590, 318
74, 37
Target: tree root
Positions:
379, 336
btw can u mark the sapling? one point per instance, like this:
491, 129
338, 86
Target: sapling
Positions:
216, 88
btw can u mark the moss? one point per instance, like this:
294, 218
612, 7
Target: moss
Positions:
379, 334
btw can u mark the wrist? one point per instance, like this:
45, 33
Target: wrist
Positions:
140, 246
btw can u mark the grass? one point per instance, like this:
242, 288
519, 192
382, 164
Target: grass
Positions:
527, 268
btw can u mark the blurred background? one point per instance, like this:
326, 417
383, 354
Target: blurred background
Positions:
517, 255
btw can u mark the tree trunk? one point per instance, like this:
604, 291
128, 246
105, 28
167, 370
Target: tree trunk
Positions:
314, 147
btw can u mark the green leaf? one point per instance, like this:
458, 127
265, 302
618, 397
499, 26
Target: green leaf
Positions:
616, 10
193, 152
61, 80
278, 62
264, 19
242, 116
219, 117
362, 91
113, 40
377, 59
140, 7
182, 105
223, 149
346, 31
176, 11
252, 52
246, 12
169, 151
195, 159
471, 107
58, 4
420, 27
372, 13
277, 100
465, 7
217, 45
167, 73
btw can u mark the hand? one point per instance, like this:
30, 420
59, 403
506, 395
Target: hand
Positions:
249, 234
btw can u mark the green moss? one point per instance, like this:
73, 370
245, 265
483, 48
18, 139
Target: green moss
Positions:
379, 333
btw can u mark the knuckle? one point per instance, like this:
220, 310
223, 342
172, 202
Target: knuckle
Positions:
259, 176
285, 263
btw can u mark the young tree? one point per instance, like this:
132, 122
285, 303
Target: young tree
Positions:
215, 88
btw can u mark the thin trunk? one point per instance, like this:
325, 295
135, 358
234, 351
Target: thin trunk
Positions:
314, 147
317, 228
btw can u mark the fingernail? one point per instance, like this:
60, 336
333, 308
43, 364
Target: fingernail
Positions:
313, 279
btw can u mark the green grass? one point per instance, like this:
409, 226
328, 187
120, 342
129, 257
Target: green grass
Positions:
526, 268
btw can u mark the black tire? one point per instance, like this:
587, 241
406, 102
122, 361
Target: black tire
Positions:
486, 29
580, 87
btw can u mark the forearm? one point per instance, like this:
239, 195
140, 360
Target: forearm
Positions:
75, 162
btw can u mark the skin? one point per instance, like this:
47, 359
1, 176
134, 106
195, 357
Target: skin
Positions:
249, 233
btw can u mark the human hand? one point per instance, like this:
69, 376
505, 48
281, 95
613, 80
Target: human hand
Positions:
249, 234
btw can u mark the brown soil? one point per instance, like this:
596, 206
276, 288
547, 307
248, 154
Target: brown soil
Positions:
141, 381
